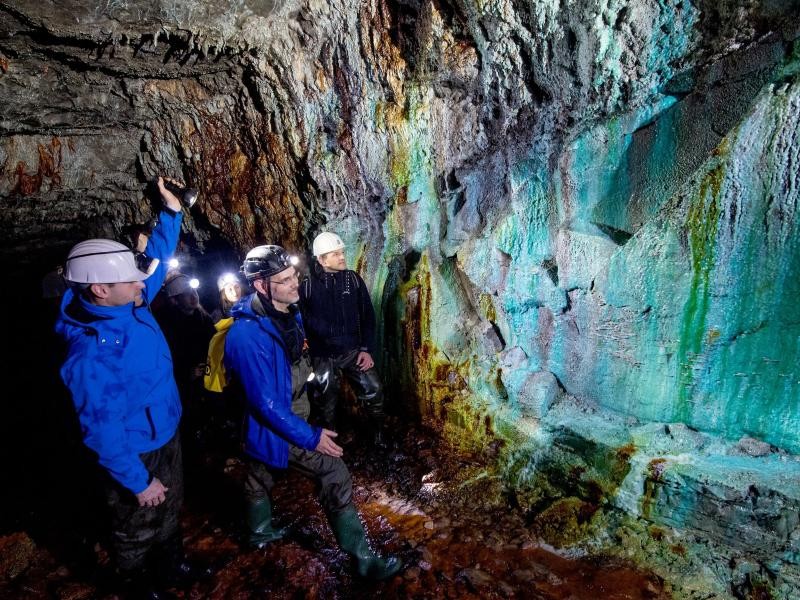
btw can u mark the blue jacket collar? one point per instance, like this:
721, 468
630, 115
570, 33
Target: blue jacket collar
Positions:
77, 312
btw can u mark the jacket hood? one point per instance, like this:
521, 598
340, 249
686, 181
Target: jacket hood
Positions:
79, 317
317, 270
243, 309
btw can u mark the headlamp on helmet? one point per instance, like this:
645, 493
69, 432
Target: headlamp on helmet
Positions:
225, 280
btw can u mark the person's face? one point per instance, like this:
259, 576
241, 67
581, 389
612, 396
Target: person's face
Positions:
118, 294
285, 287
232, 292
333, 261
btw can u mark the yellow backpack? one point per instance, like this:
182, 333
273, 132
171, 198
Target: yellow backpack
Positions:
215, 380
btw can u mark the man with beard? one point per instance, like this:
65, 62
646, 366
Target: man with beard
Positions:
266, 358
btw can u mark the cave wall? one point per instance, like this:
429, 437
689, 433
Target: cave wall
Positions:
562, 209
604, 227
545, 160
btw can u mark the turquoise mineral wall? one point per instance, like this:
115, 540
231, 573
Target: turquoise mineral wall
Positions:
674, 309
625, 234
699, 305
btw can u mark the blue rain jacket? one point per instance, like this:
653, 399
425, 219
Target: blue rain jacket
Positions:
257, 361
119, 371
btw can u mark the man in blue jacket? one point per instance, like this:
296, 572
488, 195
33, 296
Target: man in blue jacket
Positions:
266, 358
119, 372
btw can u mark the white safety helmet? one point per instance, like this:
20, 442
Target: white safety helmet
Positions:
106, 261
327, 242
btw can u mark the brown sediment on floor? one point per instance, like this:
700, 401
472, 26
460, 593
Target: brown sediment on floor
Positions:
444, 514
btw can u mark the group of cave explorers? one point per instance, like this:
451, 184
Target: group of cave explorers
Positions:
127, 382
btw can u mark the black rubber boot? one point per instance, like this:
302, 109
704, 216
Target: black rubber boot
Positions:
350, 534
371, 398
378, 428
379, 439
174, 569
259, 523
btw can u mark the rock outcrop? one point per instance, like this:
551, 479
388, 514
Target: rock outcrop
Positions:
549, 201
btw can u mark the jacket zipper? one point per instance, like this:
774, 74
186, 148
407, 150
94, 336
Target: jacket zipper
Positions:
150, 420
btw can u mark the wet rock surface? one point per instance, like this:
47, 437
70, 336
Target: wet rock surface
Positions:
596, 199
449, 519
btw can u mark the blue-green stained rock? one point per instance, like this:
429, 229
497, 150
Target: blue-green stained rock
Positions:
647, 263
539, 391
702, 297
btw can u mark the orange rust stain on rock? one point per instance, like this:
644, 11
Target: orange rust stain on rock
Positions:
441, 372
375, 21
50, 161
321, 78
49, 167
678, 549
402, 196
656, 468
3, 64
26, 185
626, 451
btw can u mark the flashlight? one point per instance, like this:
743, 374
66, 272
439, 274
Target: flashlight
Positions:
174, 263
293, 260
319, 381
187, 195
194, 283
144, 263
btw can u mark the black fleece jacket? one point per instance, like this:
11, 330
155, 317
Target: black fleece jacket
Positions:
337, 313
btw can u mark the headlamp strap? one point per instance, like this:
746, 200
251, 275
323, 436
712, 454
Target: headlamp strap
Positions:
99, 253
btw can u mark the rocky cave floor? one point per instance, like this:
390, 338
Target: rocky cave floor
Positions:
442, 512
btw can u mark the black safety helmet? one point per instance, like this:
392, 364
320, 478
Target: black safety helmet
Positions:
266, 261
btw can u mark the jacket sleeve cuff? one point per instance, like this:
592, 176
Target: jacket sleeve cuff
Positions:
140, 482
167, 210
317, 434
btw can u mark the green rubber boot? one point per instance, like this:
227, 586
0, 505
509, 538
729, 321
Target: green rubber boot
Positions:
259, 523
350, 534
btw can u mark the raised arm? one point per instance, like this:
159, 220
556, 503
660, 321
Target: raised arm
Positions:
163, 239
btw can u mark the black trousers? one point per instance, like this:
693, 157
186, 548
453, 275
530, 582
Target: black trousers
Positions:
331, 476
366, 385
136, 530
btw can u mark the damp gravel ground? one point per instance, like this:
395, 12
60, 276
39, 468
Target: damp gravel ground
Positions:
443, 513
